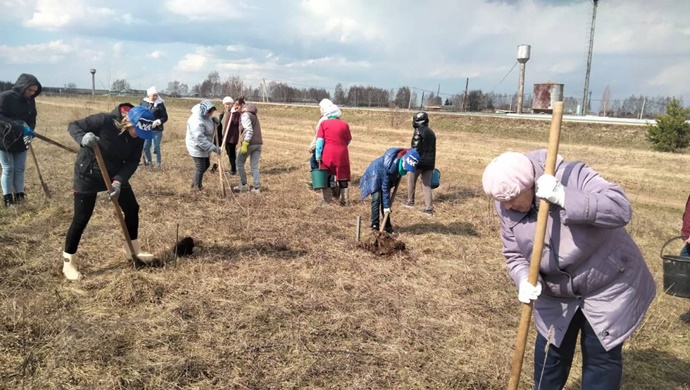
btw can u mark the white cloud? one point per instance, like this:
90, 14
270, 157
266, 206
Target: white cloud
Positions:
156, 54
235, 48
192, 62
54, 15
51, 52
674, 78
206, 10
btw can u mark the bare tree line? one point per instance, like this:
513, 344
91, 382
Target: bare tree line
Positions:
404, 97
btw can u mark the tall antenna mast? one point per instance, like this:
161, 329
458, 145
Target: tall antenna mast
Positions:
585, 95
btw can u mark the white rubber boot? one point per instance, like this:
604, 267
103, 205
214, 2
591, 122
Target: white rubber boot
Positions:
143, 256
69, 266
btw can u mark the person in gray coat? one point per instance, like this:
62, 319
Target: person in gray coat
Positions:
199, 140
593, 280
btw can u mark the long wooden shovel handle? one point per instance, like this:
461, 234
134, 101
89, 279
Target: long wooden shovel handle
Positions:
118, 210
50, 141
539, 235
46, 190
385, 215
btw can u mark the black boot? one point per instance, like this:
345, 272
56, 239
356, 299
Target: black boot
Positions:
19, 198
9, 200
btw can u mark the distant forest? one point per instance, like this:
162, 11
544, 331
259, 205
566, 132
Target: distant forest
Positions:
405, 97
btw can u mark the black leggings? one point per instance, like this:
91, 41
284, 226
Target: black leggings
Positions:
201, 164
83, 209
231, 150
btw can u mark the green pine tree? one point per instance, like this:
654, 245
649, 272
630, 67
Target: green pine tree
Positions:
672, 131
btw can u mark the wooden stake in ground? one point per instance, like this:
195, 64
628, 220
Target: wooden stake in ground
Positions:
40, 177
50, 141
118, 211
539, 235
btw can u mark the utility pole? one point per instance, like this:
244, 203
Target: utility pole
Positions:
589, 58
421, 103
464, 98
438, 93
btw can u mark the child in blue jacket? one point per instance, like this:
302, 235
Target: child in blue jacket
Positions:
383, 174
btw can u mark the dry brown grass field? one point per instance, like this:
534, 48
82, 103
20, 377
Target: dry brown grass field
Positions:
278, 295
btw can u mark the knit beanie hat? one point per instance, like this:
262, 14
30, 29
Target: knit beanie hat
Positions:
508, 175
151, 91
228, 100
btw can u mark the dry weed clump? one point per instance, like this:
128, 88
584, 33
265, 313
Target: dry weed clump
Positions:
278, 294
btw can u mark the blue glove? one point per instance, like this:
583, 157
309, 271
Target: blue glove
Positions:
27, 131
116, 191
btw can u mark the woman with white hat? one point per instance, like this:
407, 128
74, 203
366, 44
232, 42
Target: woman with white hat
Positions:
155, 104
229, 122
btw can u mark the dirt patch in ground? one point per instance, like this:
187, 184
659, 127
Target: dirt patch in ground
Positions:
383, 244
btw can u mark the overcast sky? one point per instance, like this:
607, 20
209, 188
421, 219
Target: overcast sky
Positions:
640, 46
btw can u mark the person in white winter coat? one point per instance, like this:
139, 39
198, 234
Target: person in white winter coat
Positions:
199, 139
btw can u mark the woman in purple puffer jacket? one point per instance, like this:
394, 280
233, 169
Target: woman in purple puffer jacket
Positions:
595, 280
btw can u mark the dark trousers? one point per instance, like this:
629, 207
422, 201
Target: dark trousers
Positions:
377, 211
201, 165
686, 250
231, 150
83, 209
601, 369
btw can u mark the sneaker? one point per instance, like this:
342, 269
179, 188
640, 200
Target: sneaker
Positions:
390, 231
407, 203
241, 188
375, 227
255, 190
428, 213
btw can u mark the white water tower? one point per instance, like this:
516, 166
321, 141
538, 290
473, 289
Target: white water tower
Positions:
522, 57
93, 81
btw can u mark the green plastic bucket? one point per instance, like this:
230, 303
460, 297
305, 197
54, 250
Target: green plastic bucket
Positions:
319, 178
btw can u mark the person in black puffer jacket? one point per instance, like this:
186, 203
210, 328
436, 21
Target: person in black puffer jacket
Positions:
17, 122
424, 142
120, 137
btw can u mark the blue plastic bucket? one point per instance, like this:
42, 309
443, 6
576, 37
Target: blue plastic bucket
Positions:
435, 179
319, 178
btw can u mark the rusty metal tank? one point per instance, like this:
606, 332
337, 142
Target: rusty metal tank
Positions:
545, 95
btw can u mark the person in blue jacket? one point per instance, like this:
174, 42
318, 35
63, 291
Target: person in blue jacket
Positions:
383, 174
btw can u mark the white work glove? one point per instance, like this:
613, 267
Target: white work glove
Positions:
528, 292
156, 123
215, 149
89, 140
117, 187
387, 211
551, 189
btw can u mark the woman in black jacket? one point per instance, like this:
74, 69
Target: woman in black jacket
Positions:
424, 142
120, 137
17, 121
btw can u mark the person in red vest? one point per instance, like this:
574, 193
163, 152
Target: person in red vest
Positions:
332, 139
